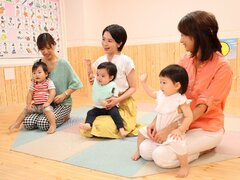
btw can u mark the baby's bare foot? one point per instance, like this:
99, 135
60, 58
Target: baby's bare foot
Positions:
183, 172
66, 118
122, 132
51, 129
85, 126
136, 156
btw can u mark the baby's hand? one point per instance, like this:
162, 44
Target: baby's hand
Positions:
46, 104
143, 78
104, 103
29, 107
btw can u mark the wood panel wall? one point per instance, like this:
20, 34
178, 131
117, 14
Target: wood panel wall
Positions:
149, 58
13, 92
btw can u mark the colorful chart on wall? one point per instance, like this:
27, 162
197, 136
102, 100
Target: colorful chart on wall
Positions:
21, 21
229, 48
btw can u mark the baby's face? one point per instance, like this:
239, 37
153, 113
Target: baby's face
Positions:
39, 75
168, 86
103, 76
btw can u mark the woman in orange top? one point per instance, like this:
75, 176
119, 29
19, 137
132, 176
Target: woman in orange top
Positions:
210, 78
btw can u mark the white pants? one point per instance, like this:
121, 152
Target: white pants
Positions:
197, 140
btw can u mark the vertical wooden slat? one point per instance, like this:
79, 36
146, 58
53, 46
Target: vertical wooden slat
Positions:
237, 75
150, 58
3, 98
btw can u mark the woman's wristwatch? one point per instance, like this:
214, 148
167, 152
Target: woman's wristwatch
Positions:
66, 94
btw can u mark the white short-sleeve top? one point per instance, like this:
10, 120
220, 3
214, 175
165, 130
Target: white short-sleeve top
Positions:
167, 108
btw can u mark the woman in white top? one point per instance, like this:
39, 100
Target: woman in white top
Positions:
113, 39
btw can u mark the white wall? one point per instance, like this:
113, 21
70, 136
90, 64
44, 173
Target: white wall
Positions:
83, 22
146, 21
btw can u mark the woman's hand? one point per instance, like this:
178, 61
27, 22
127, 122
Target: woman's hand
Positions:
104, 104
161, 136
59, 98
111, 102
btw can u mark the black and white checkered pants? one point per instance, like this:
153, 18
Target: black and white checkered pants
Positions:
40, 121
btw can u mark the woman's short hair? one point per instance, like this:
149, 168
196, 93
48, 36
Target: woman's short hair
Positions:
118, 33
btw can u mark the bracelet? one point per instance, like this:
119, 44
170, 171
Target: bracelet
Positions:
66, 94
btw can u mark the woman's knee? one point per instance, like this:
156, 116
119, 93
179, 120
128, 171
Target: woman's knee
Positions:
164, 157
43, 124
29, 123
43, 128
146, 148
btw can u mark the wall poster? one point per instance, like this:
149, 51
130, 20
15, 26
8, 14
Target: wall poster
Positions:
229, 48
21, 21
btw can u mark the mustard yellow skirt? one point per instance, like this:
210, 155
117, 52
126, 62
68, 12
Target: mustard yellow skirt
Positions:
103, 126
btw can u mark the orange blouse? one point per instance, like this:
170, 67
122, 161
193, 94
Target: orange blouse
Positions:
209, 84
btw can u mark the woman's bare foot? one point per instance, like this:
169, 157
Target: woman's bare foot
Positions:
85, 126
122, 132
136, 156
51, 129
183, 172
14, 126
66, 118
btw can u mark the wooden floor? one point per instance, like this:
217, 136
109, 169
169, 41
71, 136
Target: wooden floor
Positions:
19, 166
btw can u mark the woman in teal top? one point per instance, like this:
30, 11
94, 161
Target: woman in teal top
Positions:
65, 80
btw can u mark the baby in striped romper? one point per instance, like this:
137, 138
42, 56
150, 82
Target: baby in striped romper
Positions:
40, 95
